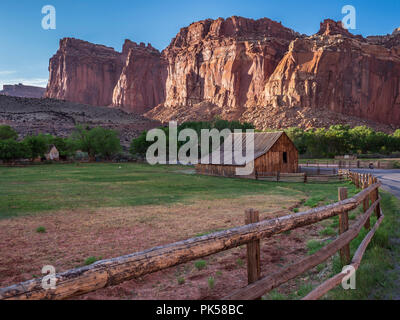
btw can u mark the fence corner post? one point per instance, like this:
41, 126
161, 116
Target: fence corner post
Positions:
253, 249
343, 227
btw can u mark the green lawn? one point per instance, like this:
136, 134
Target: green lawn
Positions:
43, 188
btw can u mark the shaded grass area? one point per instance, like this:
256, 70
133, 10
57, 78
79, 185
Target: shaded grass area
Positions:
374, 279
35, 189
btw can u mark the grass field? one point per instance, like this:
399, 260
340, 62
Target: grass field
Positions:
38, 189
72, 215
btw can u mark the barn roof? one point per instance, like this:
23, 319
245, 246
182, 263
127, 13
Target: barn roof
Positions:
263, 142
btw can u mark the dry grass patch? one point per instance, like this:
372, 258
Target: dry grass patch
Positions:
72, 236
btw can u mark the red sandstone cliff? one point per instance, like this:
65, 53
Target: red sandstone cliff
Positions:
84, 72
223, 63
141, 85
253, 70
337, 71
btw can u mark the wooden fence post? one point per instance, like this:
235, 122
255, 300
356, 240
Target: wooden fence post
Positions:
366, 204
343, 227
253, 250
305, 177
278, 176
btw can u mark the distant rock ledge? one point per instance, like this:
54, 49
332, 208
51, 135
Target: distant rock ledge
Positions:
22, 91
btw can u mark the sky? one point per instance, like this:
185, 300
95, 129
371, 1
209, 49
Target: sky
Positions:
25, 47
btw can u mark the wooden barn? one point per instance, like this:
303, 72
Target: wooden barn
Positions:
273, 152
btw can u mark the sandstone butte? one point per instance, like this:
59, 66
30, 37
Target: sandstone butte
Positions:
240, 69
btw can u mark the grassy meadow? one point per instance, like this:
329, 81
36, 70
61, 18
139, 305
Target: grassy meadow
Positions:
35, 189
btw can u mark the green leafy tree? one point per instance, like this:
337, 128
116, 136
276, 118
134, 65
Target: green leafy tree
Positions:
83, 140
106, 142
299, 138
97, 141
67, 147
37, 146
6, 133
139, 145
11, 150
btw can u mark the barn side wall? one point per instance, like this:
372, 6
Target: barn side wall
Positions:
272, 161
216, 170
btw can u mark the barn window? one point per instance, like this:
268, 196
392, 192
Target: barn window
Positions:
285, 157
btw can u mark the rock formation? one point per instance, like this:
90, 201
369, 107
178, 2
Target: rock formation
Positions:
84, 72
337, 71
240, 69
22, 91
141, 85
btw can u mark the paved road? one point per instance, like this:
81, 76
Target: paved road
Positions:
390, 179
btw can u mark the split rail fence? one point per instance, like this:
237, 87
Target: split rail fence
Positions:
111, 272
299, 177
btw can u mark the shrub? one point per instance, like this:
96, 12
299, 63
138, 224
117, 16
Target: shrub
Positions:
181, 281
41, 230
6, 133
91, 260
200, 265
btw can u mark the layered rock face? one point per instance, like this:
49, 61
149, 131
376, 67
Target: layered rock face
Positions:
337, 71
141, 85
240, 69
93, 74
223, 64
84, 72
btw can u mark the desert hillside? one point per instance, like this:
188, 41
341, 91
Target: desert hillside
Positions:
33, 116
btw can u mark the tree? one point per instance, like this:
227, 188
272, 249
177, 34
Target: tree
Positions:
97, 141
6, 132
83, 140
105, 141
37, 146
298, 136
360, 139
11, 150
139, 145
65, 146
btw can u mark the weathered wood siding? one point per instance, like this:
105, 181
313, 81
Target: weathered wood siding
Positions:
272, 161
216, 170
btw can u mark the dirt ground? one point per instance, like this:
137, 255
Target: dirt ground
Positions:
73, 236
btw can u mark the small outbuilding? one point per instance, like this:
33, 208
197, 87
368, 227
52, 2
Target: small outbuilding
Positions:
273, 152
52, 153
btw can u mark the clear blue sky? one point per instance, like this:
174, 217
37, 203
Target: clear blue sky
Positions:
25, 47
